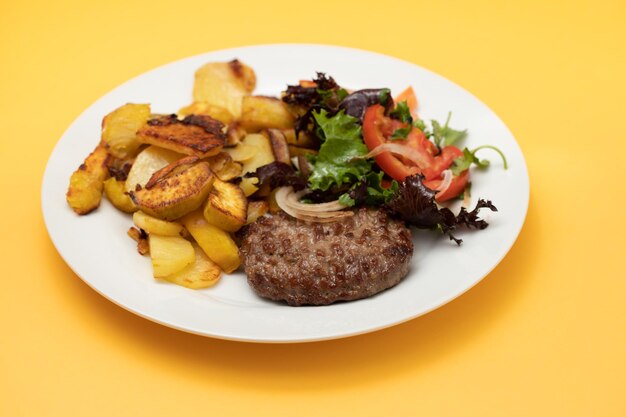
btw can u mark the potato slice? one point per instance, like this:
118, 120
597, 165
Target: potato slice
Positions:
169, 254
258, 112
116, 193
224, 84
201, 107
263, 156
149, 161
226, 207
202, 273
279, 145
256, 209
241, 152
197, 135
119, 129
216, 243
86, 183
157, 226
181, 191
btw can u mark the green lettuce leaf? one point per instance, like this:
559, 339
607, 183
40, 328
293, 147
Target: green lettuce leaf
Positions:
335, 164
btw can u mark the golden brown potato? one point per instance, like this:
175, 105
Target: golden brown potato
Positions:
235, 134
86, 183
256, 209
156, 226
178, 190
202, 273
279, 145
241, 152
226, 207
216, 243
303, 141
201, 107
169, 254
119, 129
224, 84
116, 193
264, 155
149, 161
230, 171
197, 135
258, 112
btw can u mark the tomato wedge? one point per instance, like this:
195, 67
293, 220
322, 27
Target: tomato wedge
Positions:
378, 128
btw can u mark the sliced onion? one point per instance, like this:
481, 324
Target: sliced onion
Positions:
445, 184
287, 200
406, 151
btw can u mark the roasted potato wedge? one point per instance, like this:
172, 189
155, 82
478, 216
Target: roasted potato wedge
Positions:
230, 171
259, 112
241, 152
116, 193
119, 129
86, 183
202, 273
256, 209
235, 134
215, 242
279, 145
224, 84
197, 135
149, 161
226, 207
182, 190
264, 155
201, 107
169, 254
152, 225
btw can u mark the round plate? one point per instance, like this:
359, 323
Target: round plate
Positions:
97, 248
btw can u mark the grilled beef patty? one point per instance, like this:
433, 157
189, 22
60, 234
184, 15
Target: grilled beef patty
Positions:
320, 263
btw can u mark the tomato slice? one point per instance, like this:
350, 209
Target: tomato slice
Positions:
378, 128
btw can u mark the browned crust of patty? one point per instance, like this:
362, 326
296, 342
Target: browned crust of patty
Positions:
319, 264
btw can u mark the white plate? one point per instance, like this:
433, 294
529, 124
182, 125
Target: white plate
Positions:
97, 248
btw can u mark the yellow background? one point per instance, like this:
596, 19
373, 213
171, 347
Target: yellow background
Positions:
542, 335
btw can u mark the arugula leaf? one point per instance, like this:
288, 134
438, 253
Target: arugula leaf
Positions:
445, 135
402, 112
462, 163
337, 162
401, 133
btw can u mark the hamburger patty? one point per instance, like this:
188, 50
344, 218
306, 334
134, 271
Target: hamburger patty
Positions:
320, 263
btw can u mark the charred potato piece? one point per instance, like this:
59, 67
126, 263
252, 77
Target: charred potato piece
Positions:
116, 193
226, 207
119, 129
230, 171
256, 209
279, 145
86, 183
197, 135
204, 108
182, 189
156, 226
258, 112
215, 242
224, 84
147, 163
169, 254
202, 273
141, 238
264, 155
